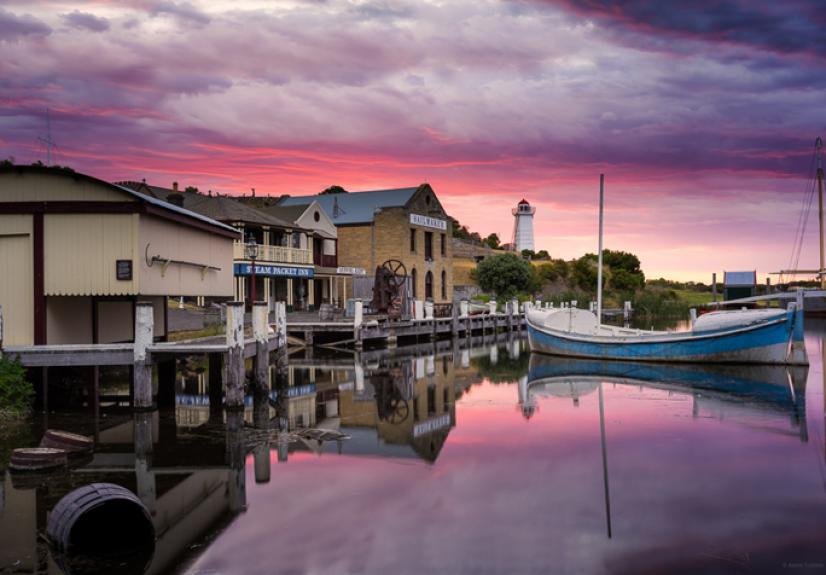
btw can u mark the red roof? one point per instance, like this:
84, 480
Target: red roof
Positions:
524, 201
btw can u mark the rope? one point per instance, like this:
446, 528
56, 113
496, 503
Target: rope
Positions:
803, 217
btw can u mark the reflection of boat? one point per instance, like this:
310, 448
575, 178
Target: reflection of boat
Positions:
777, 388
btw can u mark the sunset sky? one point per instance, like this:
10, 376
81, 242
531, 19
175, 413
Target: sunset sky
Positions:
702, 115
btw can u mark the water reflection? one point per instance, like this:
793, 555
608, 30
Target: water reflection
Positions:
490, 459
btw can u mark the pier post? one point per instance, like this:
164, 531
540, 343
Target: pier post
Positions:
144, 476
235, 454
492, 307
428, 310
358, 320
626, 311
463, 308
509, 315
142, 372
260, 332
418, 309
692, 314
216, 384
234, 364
261, 452
454, 320
281, 323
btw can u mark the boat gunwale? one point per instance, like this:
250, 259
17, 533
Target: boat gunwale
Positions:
668, 337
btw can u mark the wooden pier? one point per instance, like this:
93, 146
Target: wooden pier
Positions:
227, 354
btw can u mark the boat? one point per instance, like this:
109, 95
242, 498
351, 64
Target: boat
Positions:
754, 336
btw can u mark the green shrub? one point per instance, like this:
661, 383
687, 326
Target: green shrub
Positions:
16, 392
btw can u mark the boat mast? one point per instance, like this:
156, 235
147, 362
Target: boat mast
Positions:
599, 263
819, 152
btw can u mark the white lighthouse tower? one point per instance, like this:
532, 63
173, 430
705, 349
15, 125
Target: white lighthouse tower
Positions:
523, 226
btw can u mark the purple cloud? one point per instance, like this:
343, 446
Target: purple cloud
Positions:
13, 27
86, 21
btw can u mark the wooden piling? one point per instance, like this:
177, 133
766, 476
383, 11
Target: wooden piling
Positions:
358, 320
234, 364
142, 372
145, 477
260, 332
215, 383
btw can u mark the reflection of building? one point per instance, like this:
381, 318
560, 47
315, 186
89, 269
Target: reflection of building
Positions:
412, 405
78, 252
406, 224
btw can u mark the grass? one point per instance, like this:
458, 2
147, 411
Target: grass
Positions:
209, 331
461, 271
693, 298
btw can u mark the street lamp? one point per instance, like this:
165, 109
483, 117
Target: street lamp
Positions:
252, 254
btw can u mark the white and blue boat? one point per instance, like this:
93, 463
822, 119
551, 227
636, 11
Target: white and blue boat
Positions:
764, 336
761, 336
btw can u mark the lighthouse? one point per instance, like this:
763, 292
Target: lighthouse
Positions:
523, 226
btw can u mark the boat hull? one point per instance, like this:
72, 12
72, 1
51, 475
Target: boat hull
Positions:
777, 342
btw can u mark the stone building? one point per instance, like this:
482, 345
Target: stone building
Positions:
405, 224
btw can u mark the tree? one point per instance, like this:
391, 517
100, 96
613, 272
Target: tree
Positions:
492, 241
584, 272
191, 189
528, 254
334, 190
552, 271
505, 275
543, 255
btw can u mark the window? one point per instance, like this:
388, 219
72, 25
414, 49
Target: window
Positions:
413, 281
428, 285
444, 285
297, 240
443, 245
428, 245
412, 241
431, 400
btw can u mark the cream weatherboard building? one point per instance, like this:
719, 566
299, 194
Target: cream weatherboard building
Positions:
406, 224
77, 253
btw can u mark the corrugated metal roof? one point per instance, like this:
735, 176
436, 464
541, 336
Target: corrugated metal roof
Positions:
355, 207
740, 278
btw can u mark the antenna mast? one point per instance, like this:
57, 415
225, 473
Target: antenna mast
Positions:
50, 143
819, 152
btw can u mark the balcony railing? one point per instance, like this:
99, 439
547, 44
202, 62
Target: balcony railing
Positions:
327, 261
277, 254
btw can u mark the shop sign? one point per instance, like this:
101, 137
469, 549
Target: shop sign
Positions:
348, 271
428, 222
273, 271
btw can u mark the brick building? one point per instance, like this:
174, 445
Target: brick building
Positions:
406, 224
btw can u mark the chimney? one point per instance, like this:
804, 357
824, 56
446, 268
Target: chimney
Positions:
176, 198
175, 187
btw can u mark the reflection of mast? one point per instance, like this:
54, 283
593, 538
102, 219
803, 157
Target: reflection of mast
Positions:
604, 463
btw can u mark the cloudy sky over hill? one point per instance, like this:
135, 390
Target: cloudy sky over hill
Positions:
703, 116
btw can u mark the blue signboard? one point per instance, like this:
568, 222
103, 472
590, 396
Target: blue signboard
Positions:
273, 271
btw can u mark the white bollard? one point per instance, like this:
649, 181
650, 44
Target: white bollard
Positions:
626, 310
514, 306
428, 310
463, 308
492, 307
358, 313
181, 303
692, 313
260, 332
574, 303
418, 309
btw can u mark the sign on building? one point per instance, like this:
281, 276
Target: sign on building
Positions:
273, 271
428, 222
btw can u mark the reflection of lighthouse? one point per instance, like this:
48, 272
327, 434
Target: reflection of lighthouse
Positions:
523, 226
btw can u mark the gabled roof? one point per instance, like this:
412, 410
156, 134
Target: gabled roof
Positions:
153, 201
288, 213
221, 208
355, 207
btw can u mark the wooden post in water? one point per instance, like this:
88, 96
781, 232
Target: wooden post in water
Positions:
454, 320
260, 332
234, 363
142, 372
714, 287
144, 476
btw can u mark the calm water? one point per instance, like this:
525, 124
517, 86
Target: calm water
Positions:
485, 460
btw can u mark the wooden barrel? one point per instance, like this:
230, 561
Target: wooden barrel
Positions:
71, 442
37, 458
102, 523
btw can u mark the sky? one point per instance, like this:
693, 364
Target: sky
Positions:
701, 115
